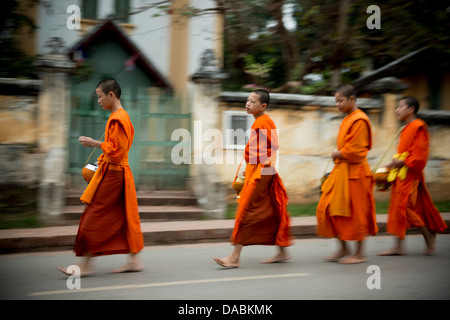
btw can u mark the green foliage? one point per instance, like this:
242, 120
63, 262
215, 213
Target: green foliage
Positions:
13, 62
259, 71
314, 88
321, 46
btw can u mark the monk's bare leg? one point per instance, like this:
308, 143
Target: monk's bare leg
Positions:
232, 261
397, 250
134, 265
282, 256
342, 252
85, 267
430, 240
357, 257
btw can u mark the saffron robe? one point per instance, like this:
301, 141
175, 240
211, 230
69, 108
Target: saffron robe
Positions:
110, 224
346, 208
411, 204
261, 216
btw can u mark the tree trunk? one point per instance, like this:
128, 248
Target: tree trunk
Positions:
288, 44
341, 42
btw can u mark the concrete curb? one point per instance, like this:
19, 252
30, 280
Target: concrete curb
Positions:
155, 233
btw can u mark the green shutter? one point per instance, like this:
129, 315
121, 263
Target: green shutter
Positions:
122, 8
89, 9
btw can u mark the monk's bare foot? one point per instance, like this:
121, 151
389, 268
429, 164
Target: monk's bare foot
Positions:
226, 262
83, 273
129, 267
340, 254
392, 252
280, 257
353, 259
431, 244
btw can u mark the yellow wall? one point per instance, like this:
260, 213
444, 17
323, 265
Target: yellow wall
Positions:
307, 137
179, 47
419, 88
18, 121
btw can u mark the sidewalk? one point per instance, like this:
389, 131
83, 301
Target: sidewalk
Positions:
155, 233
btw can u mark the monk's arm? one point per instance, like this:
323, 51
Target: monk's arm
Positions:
418, 152
357, 143
89, 142
116, 145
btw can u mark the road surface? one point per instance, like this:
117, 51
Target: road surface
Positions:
187, 272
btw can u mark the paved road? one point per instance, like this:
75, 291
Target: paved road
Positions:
187, 272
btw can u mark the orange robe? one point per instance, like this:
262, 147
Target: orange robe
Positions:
346, 208
261, 216
411, 204
110, 224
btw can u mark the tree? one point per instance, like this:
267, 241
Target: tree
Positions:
13, 62
255, 29
333, 36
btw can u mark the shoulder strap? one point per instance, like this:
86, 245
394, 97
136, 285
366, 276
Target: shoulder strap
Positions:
93, 152
388, 148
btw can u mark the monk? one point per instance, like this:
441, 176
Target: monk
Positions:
110, 224
261, 216
411, 205
346, 208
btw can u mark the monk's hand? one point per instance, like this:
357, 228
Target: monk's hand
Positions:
397, 163
86, 141
336, 155
390, 165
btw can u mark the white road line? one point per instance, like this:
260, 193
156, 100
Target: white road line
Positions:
164, 284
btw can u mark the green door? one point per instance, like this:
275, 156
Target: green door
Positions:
159, 114
87, 118
155, 114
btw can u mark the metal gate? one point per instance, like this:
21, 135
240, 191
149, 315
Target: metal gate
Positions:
155, 114
159, 113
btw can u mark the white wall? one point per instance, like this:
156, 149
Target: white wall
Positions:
151, 33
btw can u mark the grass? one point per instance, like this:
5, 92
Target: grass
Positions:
307, 210
27, 219
30, 219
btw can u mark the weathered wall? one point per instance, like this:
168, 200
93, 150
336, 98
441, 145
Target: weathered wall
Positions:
34, 124
308, 128
33, 139
19, 155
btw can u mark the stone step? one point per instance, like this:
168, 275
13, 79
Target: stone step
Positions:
72, 214
166, 198
145, 198
161, 205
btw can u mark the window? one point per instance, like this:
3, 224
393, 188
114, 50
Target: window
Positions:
89, 9
236, 129
122, 8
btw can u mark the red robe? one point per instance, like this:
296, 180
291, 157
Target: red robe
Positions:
110, 223
411, 204
346, 208
261, 216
